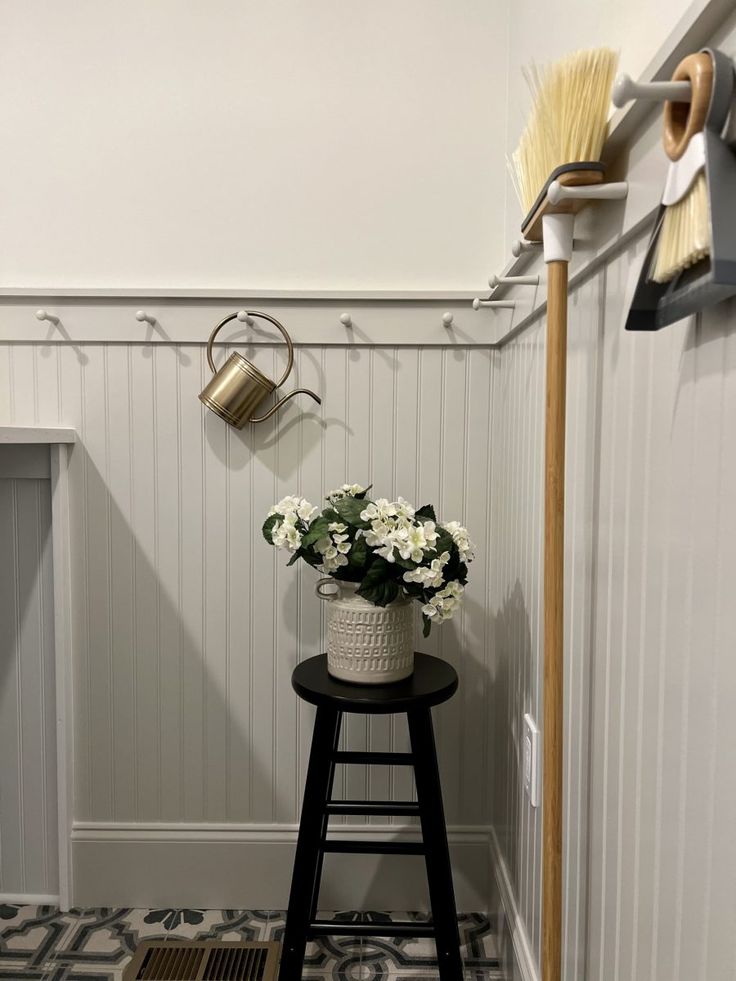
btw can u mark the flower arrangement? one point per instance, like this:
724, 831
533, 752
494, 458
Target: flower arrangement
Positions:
389, 547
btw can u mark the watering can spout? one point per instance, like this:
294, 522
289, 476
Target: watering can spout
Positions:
277, 405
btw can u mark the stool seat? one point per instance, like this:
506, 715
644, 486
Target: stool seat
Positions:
433, 682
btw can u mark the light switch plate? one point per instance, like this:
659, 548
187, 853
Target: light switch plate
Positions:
531, 760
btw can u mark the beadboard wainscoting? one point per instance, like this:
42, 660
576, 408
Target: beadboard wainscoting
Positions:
650, 634
28, 809
186, 624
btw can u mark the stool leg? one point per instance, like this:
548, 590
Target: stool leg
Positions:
308, 859
434, 833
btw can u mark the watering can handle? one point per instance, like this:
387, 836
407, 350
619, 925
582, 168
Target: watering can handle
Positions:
279, 327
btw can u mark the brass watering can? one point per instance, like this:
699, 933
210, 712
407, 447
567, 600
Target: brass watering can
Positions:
237, 389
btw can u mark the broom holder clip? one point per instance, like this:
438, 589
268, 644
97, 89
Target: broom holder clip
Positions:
615, 191
625, 89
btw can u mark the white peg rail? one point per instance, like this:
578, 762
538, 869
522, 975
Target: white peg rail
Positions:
346, 320
625, 89
145, 318
310, 322
42, 315
478, 304
521, 245
495, 281
245, 318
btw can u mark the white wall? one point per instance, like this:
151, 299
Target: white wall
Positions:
289, 145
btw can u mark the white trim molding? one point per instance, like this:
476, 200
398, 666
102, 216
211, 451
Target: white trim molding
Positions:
63, 647
214, 865
525, 965
29, 899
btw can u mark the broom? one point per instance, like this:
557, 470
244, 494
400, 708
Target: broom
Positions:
684, 237
563, 141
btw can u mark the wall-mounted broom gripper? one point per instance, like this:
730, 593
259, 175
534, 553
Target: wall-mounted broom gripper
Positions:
625, 89
615, 191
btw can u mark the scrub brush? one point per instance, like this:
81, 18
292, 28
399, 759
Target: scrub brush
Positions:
684, 236
562, 142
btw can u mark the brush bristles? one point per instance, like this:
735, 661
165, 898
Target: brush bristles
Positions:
568, 120
684, 237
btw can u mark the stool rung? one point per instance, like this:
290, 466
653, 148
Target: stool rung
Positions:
393, 808
397, 928
382, 759
374, 847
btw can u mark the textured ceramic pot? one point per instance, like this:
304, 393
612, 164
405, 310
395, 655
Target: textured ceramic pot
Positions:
366, 644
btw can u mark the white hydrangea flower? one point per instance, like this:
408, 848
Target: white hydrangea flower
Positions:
404, 509
429, 575
378, 510
285, 534
413, 543
334, 547
306, 511
377, 534
444, 604
347, 490
297, 506
391, 541
460, 536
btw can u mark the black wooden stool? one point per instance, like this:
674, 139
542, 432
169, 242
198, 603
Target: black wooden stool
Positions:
433, 682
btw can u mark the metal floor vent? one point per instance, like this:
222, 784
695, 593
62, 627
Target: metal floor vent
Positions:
205, 960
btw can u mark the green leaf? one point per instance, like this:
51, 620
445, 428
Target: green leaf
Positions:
317, 530
378, 571
426, 513
362, 495
427, 625
381, 593
445, 542
295, 556
358, 554
349, 509
268, 526
379, 584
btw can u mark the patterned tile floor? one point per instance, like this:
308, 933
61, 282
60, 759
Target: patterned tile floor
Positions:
38, 943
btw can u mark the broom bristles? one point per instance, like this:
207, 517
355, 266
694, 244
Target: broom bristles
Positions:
684, 237
569, 118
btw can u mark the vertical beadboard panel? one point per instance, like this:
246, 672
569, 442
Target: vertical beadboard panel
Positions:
516, 539
187, 625
649, 635
28, 821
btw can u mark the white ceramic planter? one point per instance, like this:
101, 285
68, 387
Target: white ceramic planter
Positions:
366, 644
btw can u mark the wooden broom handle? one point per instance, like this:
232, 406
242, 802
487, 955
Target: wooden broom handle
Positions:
554, 564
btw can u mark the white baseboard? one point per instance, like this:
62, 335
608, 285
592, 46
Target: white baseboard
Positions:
249, 866
28, 899
524, 962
